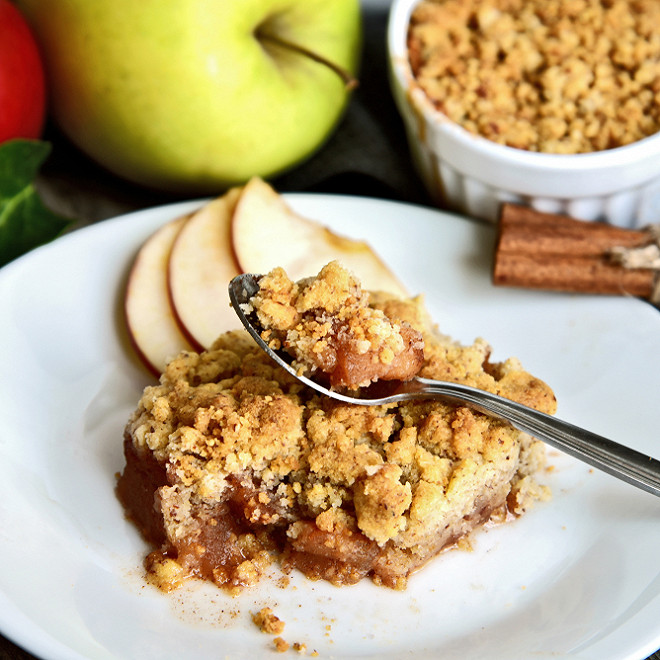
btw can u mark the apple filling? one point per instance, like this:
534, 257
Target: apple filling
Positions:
327, 324
232, 464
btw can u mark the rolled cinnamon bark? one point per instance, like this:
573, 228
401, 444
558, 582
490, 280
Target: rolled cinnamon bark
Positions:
558, 253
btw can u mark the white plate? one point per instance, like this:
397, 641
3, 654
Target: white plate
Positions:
578, 576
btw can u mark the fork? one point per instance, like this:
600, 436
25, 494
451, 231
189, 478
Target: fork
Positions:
611, 457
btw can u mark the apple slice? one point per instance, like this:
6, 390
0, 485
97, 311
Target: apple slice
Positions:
266, 232
152, 327
200, 267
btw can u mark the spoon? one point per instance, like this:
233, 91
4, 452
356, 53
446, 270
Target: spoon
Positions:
617, 460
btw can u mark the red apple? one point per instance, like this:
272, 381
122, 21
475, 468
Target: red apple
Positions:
22, 86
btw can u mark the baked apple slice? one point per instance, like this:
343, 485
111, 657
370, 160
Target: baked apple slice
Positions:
267, 233
152, 327
201, 264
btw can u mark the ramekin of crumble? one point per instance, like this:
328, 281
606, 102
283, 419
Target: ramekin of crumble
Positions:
554, 104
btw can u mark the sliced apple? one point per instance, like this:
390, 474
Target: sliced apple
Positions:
152, 327
200, 267
266, 232
176, 297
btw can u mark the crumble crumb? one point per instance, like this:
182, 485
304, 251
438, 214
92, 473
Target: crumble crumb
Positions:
267, 622
281, 646
163, 572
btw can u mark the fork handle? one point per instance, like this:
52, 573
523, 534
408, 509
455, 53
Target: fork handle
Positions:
618, 460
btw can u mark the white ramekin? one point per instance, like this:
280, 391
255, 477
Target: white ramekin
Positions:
473, 175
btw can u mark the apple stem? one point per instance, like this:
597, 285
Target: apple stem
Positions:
350, 82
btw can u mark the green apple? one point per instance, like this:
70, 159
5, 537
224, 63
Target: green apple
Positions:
193, 95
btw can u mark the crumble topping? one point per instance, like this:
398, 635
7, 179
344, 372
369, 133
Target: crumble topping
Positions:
554, 76
231, 463
328, 325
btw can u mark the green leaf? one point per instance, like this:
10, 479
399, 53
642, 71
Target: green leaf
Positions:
25, 222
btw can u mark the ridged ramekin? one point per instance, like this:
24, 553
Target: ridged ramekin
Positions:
474, 176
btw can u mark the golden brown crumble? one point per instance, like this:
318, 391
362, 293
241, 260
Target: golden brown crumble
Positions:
327, 325
231, 462
267, 622
281, 645
554, 76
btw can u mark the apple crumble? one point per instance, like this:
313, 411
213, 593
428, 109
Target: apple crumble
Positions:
553, 76
327, 325
232, 464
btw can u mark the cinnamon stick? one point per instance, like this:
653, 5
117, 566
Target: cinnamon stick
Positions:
555, 252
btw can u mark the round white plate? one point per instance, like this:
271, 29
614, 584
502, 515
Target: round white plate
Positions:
578, 576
